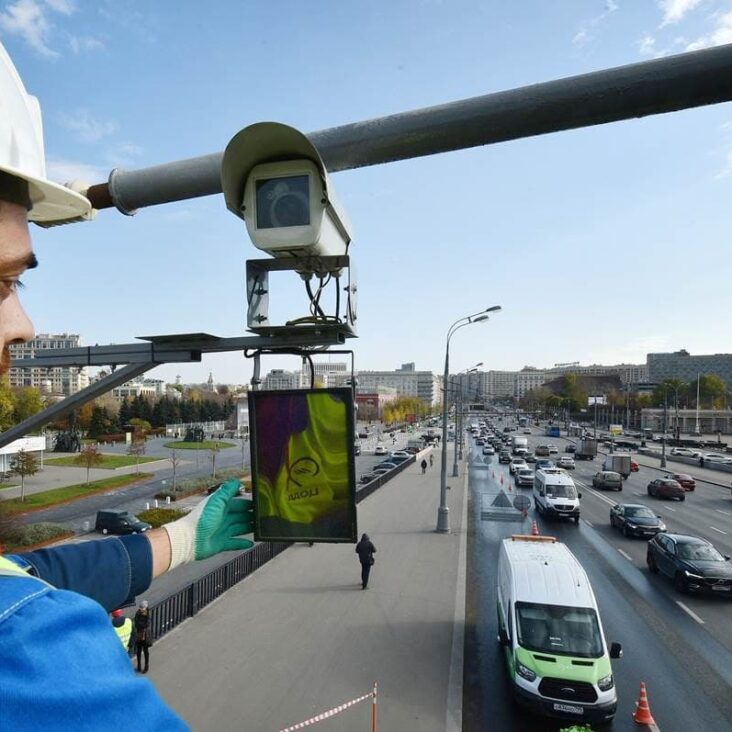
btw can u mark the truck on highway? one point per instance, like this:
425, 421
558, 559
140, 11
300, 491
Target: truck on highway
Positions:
549, 627
520, 445
587, 449
618, 463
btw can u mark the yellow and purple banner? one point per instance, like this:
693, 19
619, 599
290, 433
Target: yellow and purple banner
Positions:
303, 473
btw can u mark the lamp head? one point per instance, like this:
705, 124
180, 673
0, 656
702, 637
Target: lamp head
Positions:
494, 309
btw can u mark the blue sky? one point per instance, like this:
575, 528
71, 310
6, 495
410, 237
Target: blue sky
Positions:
600, 244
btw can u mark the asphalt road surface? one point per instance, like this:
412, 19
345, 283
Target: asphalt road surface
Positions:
680, 645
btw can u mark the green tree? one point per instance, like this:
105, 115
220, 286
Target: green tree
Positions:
7, 405
88, 458
711, 390
101, 423
24, 463
28, 401
140, 426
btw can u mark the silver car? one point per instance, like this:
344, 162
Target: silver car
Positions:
524, 476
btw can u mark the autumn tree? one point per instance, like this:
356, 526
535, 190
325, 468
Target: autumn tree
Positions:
175, 462
89, 457
28, 401
7, 405
24, 463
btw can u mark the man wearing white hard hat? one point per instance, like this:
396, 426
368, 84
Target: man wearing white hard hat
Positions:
61, 663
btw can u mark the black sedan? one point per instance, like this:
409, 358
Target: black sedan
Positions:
693, 564
570, 448
633, 519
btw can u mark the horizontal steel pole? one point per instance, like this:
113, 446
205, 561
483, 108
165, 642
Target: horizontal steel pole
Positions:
625, 92
59, 409
168, 350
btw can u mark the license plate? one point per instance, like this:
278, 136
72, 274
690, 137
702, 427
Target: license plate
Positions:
720, 588
568, 708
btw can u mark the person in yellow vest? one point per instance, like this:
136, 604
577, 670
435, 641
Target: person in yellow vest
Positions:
123, 628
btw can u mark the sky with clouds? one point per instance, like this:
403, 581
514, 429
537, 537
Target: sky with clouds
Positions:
600, 244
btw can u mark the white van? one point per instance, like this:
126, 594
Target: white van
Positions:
555, 494
550, 630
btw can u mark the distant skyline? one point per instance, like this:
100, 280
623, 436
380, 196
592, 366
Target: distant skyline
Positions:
603, 243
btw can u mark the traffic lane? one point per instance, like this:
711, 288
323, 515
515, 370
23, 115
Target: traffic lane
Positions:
704, 512
647, 656
711, 612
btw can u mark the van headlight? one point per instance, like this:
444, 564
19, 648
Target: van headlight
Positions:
524, 671
607, 683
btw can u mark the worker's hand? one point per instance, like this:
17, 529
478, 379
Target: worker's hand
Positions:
212, 527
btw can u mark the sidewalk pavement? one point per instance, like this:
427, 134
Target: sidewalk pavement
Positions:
299, 636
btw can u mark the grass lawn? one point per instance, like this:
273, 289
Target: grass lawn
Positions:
206, 445
56, 496
108, 461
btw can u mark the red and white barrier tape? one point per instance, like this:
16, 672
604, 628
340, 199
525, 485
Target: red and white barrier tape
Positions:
330, 713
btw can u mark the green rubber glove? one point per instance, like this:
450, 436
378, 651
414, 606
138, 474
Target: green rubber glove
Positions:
212, 527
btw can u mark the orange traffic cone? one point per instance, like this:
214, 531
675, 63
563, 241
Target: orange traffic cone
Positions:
642, 713
534, 529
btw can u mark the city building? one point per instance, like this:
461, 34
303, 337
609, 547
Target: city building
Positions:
407, 381
281, 379
56, 381
370, 405
707, 421
150, 388
682, 365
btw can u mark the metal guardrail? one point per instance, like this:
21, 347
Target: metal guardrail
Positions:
174, 609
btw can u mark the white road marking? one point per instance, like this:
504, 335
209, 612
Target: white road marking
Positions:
600, 496
726, 513
589, 523
668, 508
719, 530
635, 493
626, 555
690, 612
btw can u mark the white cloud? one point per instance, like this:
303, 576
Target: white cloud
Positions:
647, 46
26, 18
65, 7
86, 127
63, 170
726, 169
85, 43
675, 10
721, 34
587, 30
124, 155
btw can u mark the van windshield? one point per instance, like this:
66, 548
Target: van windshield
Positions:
560, 491
555, 629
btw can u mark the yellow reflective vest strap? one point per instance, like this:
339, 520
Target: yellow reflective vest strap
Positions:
124, 632
11, 568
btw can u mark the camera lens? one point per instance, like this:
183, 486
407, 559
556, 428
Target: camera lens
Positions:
283, 202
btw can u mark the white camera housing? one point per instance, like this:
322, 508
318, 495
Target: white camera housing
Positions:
273, 178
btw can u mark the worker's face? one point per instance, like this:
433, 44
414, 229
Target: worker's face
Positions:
16, 256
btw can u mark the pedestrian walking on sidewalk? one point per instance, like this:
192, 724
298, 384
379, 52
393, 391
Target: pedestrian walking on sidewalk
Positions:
432, 459
423, 465
365, 550
142, 636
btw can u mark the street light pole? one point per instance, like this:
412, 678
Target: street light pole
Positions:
443, 512
663, 439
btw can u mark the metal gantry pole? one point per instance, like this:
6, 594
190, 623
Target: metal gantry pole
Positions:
626, 92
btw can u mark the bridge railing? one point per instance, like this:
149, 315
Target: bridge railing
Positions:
174, 609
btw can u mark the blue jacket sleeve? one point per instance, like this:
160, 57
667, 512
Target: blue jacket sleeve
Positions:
62, 666
110, 571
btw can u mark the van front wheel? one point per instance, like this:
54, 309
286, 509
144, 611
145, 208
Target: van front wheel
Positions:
576, 519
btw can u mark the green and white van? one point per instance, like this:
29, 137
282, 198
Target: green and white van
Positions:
550, 629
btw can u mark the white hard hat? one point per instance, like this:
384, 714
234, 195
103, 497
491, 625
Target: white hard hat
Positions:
22, 155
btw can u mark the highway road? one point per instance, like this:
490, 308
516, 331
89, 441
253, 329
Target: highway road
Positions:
680, 645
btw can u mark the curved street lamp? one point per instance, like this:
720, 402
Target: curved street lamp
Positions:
443, 512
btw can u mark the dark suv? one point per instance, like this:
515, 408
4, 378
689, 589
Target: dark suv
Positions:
119, 522
504, 456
